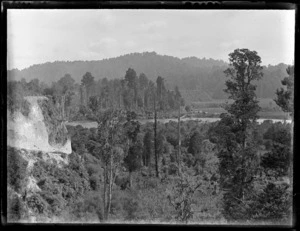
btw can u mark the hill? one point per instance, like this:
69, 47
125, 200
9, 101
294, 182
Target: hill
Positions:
198, 79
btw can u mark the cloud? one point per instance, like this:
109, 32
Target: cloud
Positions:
104, 43
151, 26
231, 45
46, 35
107, 17
130, 44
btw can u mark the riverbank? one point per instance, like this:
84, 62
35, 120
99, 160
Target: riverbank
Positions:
94, 124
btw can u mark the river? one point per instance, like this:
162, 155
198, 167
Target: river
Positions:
93, 124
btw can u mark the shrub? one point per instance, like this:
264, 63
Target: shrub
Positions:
89, 208
278, 159
90, 159
122, 182
37, 204
15, 99
61, 187
92, 169
274, 204
95, 182
152, 204
16, 209
16, 169
130, 205
173, 169
55, 201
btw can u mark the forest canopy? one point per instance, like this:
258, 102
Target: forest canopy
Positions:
232, 171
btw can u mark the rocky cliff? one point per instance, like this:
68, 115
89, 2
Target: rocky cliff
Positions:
43, 174
40, 130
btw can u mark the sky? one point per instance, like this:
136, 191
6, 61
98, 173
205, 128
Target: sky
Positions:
39, 36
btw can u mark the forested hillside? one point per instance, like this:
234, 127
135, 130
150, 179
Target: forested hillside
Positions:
198, 79
232, 171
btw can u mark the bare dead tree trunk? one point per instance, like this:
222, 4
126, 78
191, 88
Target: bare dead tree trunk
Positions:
130, 179
243, 163
110, 185
115, 175
63, 106
104, 193
86, 96
143, 99
81, 95
136, 104
179, 144
155, 139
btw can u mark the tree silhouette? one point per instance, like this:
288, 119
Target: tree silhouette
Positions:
237, 152
285, 98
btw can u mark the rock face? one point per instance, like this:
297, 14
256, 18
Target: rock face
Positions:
32, 133
44, 177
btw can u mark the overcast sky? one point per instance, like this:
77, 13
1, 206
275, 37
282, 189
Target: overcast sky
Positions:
39, 36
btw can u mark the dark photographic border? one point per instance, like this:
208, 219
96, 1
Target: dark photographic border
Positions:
181, 5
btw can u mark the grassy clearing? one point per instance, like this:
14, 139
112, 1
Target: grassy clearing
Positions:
269, 109
273, 115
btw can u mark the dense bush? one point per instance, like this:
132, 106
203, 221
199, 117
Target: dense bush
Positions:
37, 204
225, 169
16, 169
58, 134
95, 182
92, 169
61, 186
16, 208
278, 159
15, 98
130, 205
274, 204
87, 209
75, 192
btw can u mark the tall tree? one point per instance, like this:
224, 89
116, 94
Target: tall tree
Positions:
117, 88
195, 143
65, 87
87, 79
112, 143
161, 92
143, 84
155, 138
83, 95
150, 95
178, 96
66, 83
88, 82
244, 69
148, 148
161, 144
34, 87
132, 82
237, 154
104, 92
285, 97
133, 158
94, 103
179, 102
